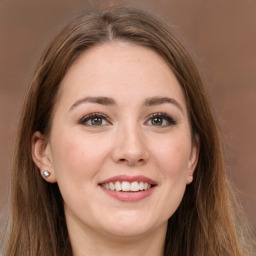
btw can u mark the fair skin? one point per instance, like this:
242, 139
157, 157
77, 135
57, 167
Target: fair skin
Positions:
138, 132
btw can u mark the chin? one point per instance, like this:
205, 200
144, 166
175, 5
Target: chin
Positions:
128, 232
130, 225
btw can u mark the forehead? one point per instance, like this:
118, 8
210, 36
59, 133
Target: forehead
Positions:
122, 70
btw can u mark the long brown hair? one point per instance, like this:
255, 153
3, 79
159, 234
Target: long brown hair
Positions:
205, 223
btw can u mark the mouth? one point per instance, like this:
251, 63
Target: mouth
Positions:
128, 188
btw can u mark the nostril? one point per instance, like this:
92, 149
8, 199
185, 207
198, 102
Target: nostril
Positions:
131, 161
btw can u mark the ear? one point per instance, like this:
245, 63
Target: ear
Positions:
193, 159
41, 154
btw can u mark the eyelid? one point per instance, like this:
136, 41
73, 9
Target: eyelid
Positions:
167, 117
86, 118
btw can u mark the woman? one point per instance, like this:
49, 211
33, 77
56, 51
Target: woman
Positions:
118, 151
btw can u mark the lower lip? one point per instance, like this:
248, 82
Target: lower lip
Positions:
129, 196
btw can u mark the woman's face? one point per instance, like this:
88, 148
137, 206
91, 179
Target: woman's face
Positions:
120, 147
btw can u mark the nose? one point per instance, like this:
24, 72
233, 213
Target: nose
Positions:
130, 147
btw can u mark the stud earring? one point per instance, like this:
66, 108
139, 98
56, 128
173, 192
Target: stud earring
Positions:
46, 174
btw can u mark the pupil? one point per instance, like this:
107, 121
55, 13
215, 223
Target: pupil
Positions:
96, 121
157, 121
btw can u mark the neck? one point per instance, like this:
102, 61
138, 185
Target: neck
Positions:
87, 242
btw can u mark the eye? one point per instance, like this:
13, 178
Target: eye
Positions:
94, 119
161, 120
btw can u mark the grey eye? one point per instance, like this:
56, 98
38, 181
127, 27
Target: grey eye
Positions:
158, 121
96, 121
161, 120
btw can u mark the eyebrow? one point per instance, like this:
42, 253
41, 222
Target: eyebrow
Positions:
99, 100
153, 101
162, 100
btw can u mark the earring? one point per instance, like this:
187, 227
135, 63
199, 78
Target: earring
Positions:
46, 174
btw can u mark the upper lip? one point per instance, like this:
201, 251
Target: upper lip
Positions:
129, 179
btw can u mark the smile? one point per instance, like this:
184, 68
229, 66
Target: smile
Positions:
127, 186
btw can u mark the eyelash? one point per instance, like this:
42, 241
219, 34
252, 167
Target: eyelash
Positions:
89, 117
163, 116
170, 121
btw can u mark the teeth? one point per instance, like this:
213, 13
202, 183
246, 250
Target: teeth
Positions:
127, 186
135, 186
118, 186
141, 185
112, 186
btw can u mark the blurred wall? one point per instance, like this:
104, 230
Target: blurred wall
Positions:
221, 34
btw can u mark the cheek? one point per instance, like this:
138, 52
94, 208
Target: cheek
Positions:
171, 159
172, 156
77, 158
77, 161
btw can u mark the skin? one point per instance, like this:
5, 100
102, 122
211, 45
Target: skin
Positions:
127, 142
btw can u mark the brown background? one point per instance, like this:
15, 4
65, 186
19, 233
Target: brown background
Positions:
221, 34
